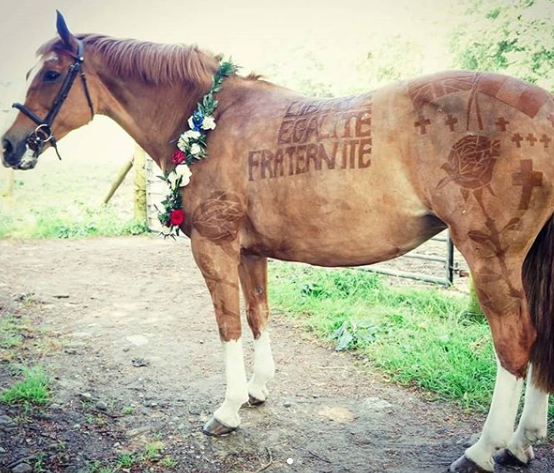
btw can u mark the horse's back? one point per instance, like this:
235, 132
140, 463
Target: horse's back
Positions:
360, 179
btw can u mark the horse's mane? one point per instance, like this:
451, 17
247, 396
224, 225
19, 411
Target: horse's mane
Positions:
149, 62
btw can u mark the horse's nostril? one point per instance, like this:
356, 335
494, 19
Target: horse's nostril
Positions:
7, 147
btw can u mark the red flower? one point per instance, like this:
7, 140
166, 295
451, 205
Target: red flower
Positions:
177, 217
178, 157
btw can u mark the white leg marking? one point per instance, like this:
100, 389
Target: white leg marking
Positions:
236, 393
533, 422
264, 368
500, 421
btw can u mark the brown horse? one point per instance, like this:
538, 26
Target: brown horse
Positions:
338, 182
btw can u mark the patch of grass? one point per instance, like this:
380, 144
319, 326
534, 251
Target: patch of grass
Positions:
126, 460
153, 450
10, 328
93, 467
128, 410
63, 199
419, 337
33, 389
138, 461
169, 462
38, 466
75, 221
97, 420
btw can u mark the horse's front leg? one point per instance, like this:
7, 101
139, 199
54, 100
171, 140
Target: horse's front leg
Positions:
218, 261
253, 278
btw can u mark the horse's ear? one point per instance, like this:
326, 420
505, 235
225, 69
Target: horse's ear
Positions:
70, 41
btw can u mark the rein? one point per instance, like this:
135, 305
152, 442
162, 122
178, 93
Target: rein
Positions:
43, 132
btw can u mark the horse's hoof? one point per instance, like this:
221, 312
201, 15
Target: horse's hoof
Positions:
506, 458
214, 428
254, 401
465, 465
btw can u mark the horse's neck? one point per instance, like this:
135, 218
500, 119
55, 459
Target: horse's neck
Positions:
152, 115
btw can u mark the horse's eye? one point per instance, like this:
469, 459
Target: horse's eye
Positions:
51, 76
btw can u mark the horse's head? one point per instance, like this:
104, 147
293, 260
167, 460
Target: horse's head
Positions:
57, 101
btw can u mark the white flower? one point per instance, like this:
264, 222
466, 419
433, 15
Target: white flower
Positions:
182, 143
166, 230
186, 137
195, 149
181, 171
208, 123
192, 134
191, 122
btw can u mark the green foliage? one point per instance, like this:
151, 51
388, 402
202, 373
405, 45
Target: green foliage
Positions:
153, 454
126, 460
62, 199
169, 462
354, 333
515, 37
77, 221
38, 466
10, 332
58, 209
32, 389
153, 450
474, 308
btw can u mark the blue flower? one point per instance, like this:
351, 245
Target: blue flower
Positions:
197, 120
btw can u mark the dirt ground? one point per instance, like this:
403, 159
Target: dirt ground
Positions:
132, 344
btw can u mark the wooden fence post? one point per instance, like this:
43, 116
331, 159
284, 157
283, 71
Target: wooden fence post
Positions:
10, 180
139, 163
118, 180
8, 183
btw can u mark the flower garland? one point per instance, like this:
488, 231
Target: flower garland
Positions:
191, 147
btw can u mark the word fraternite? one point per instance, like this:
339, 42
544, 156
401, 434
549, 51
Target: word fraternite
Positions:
191, 148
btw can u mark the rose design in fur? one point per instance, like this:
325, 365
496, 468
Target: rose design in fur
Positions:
471, 163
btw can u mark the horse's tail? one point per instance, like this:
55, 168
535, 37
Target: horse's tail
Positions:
538, 280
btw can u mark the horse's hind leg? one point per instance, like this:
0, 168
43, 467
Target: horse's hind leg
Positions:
498, 426
499, 287
531, 429
253, 278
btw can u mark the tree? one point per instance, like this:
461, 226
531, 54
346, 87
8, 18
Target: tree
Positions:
515, 37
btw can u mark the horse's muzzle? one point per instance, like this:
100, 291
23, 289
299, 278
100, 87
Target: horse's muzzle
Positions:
17, 155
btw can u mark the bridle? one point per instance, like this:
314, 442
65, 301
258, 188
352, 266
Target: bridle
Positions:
43, 133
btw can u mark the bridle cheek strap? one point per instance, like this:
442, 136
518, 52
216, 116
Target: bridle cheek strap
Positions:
43, 132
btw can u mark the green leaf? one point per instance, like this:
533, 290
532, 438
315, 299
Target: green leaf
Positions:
344, 341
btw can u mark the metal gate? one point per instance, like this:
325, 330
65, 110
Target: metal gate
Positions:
447, 258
